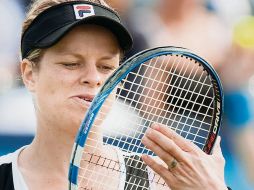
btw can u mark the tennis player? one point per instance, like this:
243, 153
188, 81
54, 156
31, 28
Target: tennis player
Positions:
69, 48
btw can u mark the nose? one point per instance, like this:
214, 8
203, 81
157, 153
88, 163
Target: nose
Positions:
91, 76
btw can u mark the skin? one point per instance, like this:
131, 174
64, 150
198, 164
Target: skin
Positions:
194, 169
191, 26
121, 6
238, 68
188, 24
77, 65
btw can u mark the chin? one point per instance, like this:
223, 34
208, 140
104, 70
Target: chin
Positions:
77, 122
72, 129
73, 119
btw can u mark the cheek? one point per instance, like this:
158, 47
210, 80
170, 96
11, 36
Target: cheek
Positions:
48, 87
50, 92
105, 77
53, 104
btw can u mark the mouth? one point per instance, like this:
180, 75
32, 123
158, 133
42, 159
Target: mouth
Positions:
87, 99
84, 100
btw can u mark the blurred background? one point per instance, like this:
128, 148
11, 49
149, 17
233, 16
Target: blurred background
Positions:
220, 31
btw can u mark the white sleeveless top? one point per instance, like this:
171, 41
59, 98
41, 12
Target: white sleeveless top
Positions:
19, 183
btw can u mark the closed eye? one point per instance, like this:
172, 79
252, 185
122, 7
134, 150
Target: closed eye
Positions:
71, 65
107, 68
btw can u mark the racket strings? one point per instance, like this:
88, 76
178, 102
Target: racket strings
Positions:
124, 138
174, 96
169, 104
188, 110
139, 126
164, 83
166, 72
200, 127
180, 98
196, 104
185, 104
162, 105
184, 96
151, 80
112, 165
181, 115
161, 110
168, 78
98, 171
177, 113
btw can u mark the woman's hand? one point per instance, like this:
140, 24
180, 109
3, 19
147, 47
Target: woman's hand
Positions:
186, 166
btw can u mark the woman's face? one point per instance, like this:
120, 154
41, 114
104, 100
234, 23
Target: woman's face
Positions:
70, 75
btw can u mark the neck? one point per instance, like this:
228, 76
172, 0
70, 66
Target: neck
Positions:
50, 152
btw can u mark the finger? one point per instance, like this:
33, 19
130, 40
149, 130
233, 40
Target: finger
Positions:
158, 168
166, 157
183, 143
217, 149
165, 144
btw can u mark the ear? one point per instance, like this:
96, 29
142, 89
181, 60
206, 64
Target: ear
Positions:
28, 74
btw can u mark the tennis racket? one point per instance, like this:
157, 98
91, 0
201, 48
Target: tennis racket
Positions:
167, 85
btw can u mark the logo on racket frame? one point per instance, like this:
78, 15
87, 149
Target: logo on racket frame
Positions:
83, 11
217, 118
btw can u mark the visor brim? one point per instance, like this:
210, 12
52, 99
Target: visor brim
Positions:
123, 36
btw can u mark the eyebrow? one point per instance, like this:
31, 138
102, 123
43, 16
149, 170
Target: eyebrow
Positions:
107, 56
67, 53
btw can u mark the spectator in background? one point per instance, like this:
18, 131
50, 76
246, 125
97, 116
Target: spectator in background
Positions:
125, 9
33, 71
238, 102
186, 23
236, 74
230, 11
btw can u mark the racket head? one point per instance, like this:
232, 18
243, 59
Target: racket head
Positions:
124, 71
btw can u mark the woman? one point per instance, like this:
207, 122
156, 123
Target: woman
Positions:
69, 48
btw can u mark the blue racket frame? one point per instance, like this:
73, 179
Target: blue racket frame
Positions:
128, 66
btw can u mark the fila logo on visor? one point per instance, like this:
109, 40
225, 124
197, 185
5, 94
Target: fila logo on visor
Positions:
83, 11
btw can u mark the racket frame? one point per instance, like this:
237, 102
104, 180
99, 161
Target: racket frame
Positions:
129, 65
